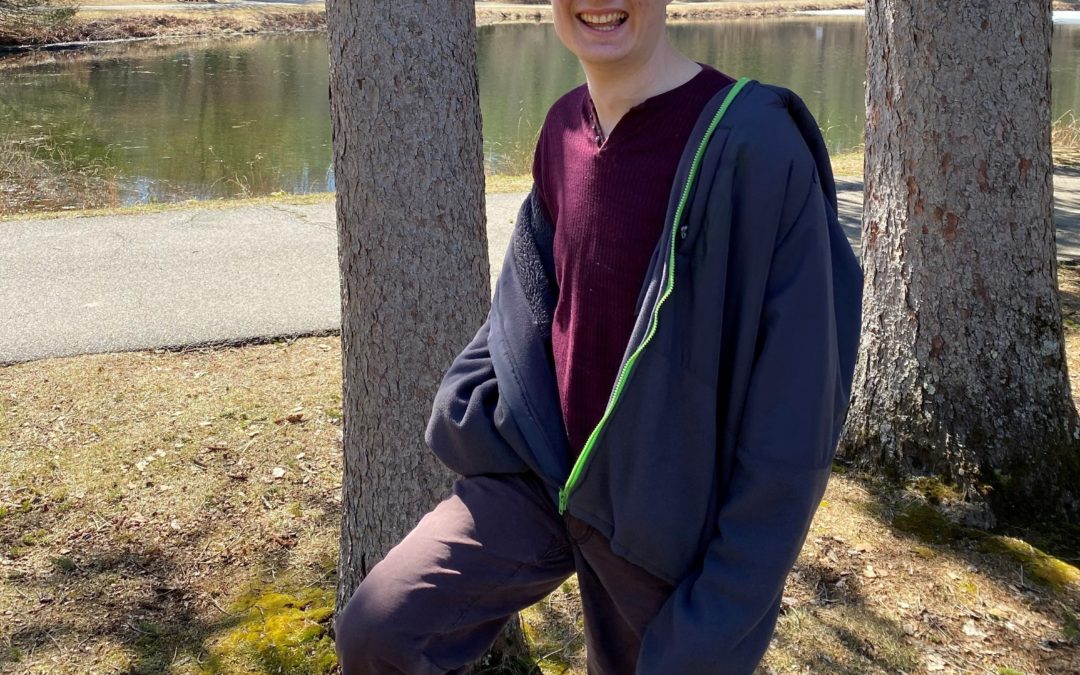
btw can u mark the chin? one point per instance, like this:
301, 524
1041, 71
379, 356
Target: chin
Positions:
605, 59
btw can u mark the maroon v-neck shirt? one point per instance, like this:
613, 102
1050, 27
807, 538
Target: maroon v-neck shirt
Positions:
607, 199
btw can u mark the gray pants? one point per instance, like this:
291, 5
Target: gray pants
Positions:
495, 546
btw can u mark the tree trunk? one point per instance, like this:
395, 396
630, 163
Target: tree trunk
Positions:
962, 369
412, 248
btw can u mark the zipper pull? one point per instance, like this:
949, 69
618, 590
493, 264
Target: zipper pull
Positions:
683, 230
563, 496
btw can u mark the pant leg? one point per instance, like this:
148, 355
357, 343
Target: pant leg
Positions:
618, 599
439, 598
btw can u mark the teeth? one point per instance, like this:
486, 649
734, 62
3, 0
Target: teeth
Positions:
598, 19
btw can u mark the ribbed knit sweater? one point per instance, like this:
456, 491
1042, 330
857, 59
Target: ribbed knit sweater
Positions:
607, 199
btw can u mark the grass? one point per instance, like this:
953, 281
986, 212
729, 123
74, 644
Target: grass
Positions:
35, 184
37, 177
157, 207
495, 185
1065, 139
90, 25
150, 477
143, 528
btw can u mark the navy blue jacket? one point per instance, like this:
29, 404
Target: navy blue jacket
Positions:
715, 455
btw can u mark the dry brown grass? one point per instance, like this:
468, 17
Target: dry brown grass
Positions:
97, 26
1065, 139
145, 498
137, 23
143, 528
177, 512
35, 177
711, 11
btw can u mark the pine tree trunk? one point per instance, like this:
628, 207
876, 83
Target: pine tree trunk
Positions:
962, 369
412, 248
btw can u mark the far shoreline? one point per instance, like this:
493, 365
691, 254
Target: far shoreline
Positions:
108, 24
102, 23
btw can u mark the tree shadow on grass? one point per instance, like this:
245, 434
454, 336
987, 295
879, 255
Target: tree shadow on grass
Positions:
126, 599
1069, 292
826, 624
1032, 568
141, 601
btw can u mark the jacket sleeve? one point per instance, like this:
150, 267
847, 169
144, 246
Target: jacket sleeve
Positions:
719, 619
467, 413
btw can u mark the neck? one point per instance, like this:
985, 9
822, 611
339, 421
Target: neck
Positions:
614, 90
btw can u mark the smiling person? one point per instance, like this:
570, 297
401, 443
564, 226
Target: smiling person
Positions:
654, 400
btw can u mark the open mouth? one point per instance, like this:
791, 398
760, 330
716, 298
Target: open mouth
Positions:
603, 22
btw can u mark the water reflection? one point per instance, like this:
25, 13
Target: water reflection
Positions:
250, 116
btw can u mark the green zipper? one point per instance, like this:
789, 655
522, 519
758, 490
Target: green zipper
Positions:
669, 274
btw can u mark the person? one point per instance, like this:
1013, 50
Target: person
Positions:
654, 400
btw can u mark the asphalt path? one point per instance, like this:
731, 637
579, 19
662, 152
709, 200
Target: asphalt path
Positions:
92, 284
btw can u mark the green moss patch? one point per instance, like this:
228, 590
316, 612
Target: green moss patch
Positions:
926, 523
1071, 627
283, 633
935, 490
1044, 568
555, 630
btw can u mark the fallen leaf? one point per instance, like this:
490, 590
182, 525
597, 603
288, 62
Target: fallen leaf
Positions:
971, 630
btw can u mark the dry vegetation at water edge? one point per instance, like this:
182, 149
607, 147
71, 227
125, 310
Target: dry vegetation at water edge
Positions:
96, 26
35, 177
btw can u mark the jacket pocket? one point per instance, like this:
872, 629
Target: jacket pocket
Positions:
654, 476
695, 216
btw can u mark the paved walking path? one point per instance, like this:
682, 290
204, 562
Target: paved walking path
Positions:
110, 283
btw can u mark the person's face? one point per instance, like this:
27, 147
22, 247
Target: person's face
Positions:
610, 33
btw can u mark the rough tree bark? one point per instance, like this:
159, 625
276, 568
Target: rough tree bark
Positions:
412, 249
962, 367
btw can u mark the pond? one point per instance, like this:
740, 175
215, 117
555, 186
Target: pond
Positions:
250, 116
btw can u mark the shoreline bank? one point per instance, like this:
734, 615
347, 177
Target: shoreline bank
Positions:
103, 24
